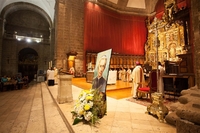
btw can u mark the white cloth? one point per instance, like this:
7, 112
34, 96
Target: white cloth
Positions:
120, 74
123, 75
136, 76
128, 75
50, 74
160, 79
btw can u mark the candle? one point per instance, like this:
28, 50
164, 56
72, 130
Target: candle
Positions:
51, 64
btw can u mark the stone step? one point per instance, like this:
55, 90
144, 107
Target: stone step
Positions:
36, 121
31, 110
53, 119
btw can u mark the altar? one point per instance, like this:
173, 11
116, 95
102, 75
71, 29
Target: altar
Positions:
112, 77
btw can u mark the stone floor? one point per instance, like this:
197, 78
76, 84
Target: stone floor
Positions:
35, 109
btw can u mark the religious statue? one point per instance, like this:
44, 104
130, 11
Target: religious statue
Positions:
170, 8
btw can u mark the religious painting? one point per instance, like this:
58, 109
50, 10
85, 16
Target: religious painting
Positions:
101, 72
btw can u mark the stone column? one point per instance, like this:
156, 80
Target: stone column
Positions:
64, 88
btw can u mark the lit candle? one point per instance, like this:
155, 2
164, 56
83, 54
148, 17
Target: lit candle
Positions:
51, 64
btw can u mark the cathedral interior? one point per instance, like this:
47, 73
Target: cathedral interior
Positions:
38, 35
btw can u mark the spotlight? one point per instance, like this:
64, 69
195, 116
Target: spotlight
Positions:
28, 39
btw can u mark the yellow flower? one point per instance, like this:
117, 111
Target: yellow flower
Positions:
81, 112
87, 91
87, 107
89, 98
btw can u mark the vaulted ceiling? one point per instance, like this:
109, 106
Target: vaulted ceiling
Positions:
140, 7
19, 10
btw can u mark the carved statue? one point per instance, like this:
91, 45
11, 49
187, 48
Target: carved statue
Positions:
170, 8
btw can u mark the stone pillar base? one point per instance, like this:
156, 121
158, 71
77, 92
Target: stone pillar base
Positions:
64, 89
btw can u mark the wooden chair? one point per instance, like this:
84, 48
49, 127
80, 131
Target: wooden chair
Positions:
150, 87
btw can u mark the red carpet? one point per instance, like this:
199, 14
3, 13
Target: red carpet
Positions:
146, 101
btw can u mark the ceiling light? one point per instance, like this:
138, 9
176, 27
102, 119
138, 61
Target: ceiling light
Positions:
28, 39
19, 38
38, 40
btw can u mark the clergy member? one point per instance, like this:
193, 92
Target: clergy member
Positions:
138, 77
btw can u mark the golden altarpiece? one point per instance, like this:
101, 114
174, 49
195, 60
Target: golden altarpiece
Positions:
168, 40
171, 42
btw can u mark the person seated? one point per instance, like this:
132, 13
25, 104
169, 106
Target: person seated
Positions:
8, 78
14, 83
4, 79
25, 80
19, 82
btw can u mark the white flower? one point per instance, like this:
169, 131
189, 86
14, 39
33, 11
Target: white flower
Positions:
88, 115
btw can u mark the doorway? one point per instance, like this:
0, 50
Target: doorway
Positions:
28, 63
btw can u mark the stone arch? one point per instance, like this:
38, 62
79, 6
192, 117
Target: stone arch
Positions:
24, 6
28, 62
9, 13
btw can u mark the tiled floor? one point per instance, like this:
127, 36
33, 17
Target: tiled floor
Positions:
122, 117
21, 112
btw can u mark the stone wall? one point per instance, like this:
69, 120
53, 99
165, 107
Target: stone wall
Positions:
185, 113
1, 38
69, 21
195, 15
11, 49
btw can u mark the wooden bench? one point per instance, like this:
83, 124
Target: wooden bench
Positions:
9, 85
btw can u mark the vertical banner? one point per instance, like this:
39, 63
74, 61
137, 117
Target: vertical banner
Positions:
101, 72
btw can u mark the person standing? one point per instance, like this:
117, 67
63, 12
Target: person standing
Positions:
137, 76
120, 74
123, 75
50, 75
160, 79
128, 76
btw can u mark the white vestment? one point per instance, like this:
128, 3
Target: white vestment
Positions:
50, 75
128, 75
120, 74
123, 75
136, 76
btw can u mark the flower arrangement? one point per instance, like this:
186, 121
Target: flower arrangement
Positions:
89, 107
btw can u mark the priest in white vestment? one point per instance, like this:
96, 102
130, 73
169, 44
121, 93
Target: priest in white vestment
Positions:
137, 77
123, 75
128, 76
